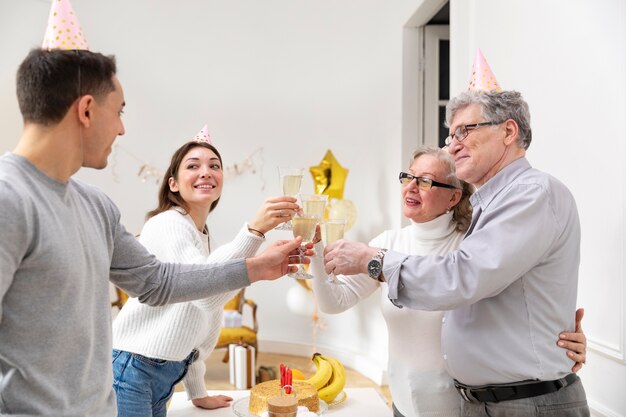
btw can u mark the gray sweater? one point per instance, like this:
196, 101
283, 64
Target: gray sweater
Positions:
61, 244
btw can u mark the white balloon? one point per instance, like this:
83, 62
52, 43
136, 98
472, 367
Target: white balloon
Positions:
343, 209
300, 301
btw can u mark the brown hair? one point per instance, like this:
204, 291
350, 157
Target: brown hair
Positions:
48, 82
462, 212
169, 198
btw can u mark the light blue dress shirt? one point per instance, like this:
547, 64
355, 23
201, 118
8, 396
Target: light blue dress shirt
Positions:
511, 286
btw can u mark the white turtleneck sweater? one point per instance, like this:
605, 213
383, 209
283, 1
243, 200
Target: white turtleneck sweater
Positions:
419, 384
172, 331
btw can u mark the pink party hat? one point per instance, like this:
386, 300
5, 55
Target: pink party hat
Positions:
482, 77
63, 31
203, 135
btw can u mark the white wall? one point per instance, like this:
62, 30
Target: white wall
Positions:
299, 77
567, 58
295, 77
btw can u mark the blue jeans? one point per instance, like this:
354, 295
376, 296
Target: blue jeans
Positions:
569, 401
144, 385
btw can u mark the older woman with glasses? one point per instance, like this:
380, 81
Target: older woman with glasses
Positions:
437, 203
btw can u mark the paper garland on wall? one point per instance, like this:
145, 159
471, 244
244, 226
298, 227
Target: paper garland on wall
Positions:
253, 163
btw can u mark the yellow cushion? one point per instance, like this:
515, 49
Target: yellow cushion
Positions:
235, 334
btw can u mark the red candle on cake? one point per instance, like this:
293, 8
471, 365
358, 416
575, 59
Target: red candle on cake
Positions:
289, 381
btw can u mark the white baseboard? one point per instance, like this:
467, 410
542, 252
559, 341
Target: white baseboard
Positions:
598, 410
359, 362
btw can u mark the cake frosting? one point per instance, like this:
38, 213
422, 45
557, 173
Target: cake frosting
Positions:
306, 394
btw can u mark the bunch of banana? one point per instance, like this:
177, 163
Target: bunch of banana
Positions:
335, 383
322, 374
329, 377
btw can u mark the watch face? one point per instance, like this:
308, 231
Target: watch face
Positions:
374, 268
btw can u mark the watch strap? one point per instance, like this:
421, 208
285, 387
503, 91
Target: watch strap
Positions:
381, 256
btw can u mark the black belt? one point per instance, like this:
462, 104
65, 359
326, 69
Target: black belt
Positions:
508, 392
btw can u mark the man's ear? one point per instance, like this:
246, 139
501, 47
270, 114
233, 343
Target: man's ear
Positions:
511, 130
85, 105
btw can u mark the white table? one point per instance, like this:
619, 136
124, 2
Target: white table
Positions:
361, 402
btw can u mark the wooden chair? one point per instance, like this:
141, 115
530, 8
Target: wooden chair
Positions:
245, 334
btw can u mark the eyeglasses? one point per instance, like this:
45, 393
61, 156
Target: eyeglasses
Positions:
423, 183
462, 131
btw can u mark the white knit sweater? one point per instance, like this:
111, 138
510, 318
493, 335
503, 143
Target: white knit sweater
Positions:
419, 383
172, 331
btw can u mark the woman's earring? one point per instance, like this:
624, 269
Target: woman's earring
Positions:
447, 211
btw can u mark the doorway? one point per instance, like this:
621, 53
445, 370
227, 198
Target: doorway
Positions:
426, 76
436, 83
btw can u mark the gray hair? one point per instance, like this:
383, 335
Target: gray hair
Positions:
462, 212
496, 107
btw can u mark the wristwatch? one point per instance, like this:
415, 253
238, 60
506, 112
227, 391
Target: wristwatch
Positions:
375, 265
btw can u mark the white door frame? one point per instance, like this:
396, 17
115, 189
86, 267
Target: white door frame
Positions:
413, 81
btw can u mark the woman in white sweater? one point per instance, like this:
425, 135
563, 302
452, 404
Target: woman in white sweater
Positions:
156, 347
437, 203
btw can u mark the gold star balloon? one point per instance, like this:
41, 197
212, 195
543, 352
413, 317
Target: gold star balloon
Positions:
329, 177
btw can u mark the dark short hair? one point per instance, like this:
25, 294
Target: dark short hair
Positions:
49, 82
169, 198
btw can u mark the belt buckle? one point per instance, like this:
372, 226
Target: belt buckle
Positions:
465, 393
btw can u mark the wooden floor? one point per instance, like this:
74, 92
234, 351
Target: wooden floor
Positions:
217, 372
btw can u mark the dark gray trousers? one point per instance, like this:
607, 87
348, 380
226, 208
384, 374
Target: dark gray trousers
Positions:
570, 401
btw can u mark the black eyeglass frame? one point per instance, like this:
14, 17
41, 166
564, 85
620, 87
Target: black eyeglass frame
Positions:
423, 180
465, 130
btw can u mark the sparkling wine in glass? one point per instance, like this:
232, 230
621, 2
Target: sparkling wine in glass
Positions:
291, 184
333, 230
290, 181
303, 226
314, 205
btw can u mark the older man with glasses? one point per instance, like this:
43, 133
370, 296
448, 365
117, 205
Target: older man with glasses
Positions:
511, 285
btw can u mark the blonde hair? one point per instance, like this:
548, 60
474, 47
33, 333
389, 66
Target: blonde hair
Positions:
462, 211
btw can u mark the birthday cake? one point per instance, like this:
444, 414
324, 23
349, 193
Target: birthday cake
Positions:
306, 394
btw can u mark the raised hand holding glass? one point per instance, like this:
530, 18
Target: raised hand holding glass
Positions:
303, 226
290, 181
333, 230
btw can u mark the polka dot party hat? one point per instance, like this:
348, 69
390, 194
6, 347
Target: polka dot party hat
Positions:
203, 135
63, 31
482, 77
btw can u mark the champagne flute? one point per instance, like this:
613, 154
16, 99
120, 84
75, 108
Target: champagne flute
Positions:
290, 181
314, 205
333, 230
303, 226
